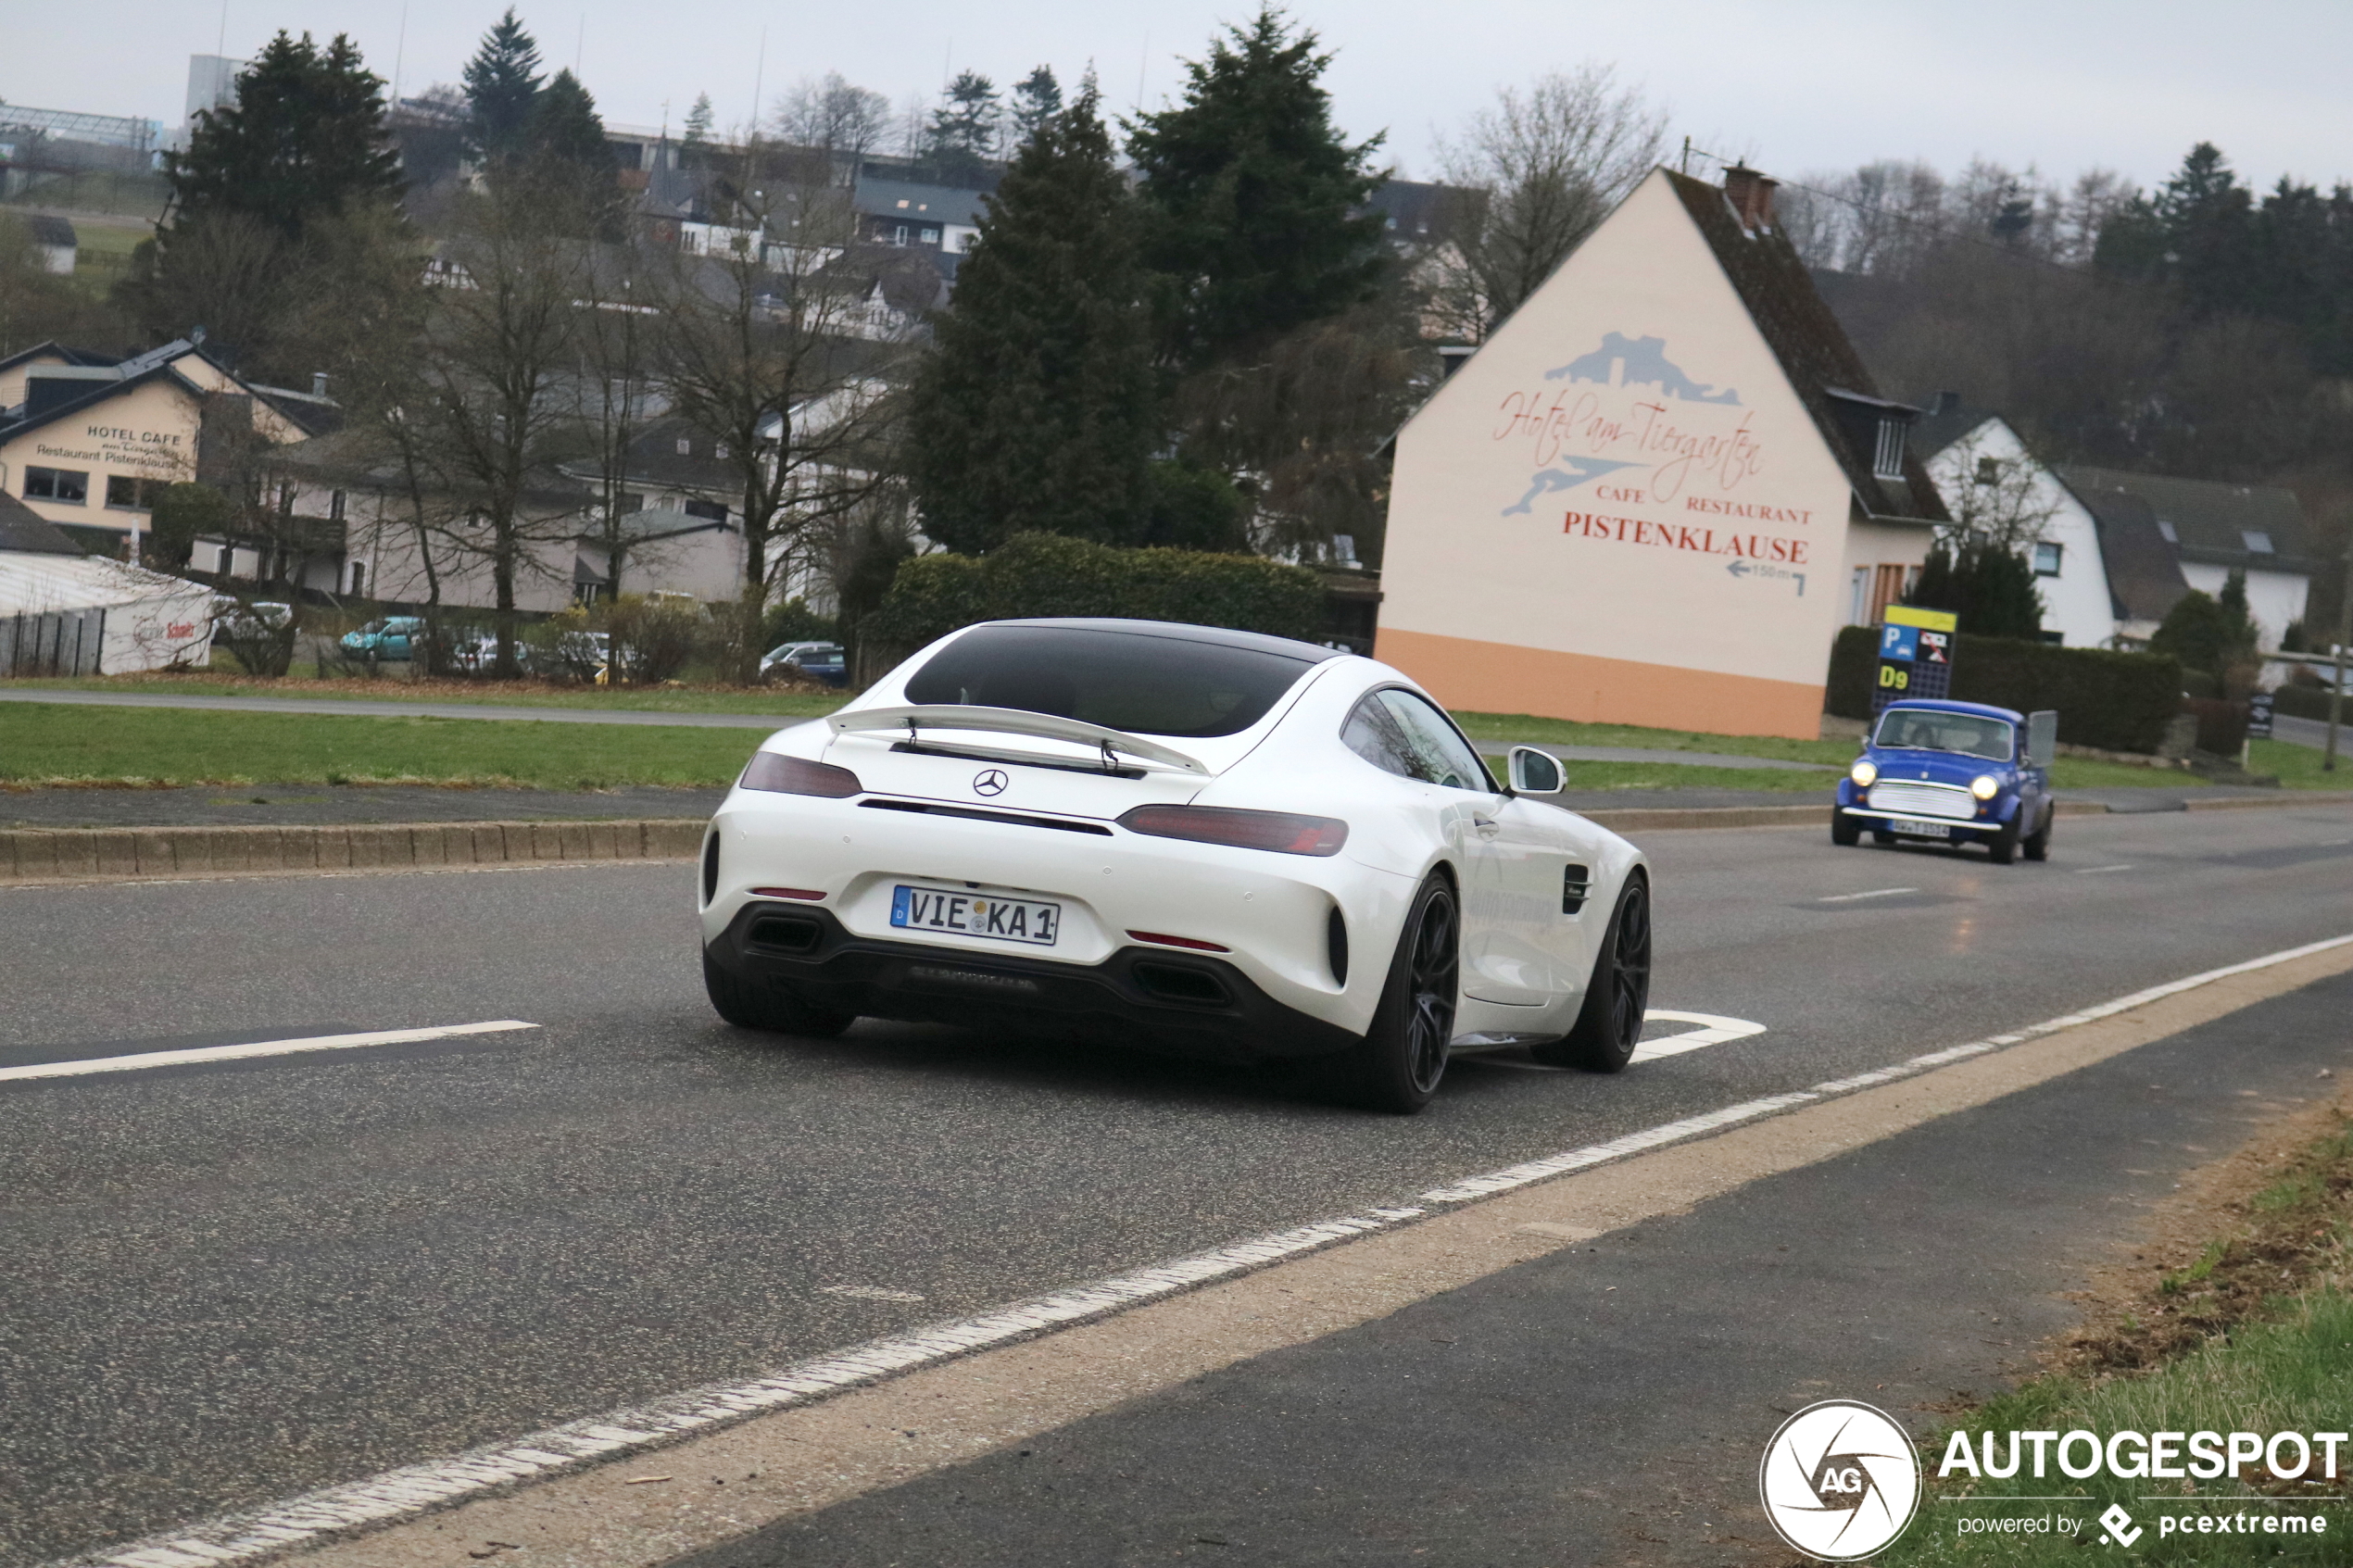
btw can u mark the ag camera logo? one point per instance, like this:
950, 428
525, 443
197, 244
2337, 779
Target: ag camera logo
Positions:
1839, 1480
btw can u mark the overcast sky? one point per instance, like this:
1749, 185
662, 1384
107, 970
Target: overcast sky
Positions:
1798, 86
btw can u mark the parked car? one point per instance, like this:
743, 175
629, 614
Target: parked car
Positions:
822, 661
388, 639
1955, 773
1209, 841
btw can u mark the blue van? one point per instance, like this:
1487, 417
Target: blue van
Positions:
1953, 773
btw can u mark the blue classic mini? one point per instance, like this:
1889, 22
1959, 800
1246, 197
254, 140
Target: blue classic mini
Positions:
1953, 773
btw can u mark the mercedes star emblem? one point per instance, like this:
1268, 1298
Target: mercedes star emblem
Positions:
993, 782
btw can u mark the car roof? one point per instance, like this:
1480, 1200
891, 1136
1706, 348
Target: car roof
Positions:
1177, 631
1975, 709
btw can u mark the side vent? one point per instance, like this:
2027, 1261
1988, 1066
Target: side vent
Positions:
1336, 940
710, 868
1576, 883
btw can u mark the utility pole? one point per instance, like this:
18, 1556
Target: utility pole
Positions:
2344, 635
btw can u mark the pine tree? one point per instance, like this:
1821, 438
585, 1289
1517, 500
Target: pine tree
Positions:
1255, 201
1038, 97
964, 129
567, 157
306, 139
502, 83
1036, 410
2202, 634
696, 142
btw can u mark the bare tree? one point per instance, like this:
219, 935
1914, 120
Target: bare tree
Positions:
779, 353
492, 412
1538, 171
1996, 496
832, 115
614, 391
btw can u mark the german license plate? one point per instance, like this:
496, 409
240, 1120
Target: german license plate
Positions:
1915, 828
976, 914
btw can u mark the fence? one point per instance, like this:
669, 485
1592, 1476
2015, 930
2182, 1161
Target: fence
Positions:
63, 643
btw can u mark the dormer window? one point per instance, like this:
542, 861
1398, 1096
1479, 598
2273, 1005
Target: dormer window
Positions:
686, 447
1887, 455
720, 451
2259, 543
1989, 470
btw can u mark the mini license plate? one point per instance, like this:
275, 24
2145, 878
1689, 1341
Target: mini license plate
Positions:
976, 914
1911, 825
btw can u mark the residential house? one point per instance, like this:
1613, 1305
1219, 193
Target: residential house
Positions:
2214, 529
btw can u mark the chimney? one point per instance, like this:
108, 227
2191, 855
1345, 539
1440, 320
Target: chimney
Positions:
317, 384
1751, 194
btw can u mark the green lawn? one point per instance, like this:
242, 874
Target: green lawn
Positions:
45, 743
659, 699
2299, 767
1521, 727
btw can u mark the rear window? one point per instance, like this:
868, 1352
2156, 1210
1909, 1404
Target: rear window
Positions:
1120, 679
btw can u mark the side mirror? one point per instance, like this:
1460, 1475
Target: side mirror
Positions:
1535, 771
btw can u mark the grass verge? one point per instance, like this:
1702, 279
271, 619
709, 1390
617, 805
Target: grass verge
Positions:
43, 744
2299, 767
519, 694
2250, 1332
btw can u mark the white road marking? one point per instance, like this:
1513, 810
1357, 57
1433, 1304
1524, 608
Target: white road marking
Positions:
868, 1293
261, 1047
1712, 1031
1874, 893
2100, 870
413, 1489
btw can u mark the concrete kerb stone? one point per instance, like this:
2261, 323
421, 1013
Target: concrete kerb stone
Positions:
53, 855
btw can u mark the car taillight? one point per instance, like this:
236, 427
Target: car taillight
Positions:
797, 775
1280, 831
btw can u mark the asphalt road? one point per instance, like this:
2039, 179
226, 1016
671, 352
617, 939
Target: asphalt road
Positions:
235, 1282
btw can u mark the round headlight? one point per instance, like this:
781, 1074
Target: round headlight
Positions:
1863, 773
1985, 786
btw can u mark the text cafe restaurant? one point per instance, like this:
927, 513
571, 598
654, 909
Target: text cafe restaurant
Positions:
88, 441
1657, 491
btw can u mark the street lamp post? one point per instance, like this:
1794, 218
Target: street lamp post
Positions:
2344, 635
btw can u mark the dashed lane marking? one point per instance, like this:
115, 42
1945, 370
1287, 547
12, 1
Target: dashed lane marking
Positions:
2100, 870
1874, 893
413, 1489
144, 1059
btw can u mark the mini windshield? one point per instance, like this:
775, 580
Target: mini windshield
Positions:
1923, 729
1140, 682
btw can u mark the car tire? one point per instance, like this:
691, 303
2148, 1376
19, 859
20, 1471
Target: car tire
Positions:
750, 1004
1846, 832
2003, 846
1398, 1065
1609, 1025
2038, 846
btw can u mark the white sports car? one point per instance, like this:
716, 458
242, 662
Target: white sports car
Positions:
1196, 840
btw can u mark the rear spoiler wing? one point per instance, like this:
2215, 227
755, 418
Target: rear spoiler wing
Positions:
1112, 744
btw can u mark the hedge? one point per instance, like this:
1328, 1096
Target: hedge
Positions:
2113, 701
2306, 702
1042, 574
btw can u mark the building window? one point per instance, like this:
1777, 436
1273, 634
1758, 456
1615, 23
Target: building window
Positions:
712, 512
686, 447
334, 509
1887, 461
899, 233
720, 451
359, 576
2259, 543
931, 236
68, 486
2046, 560
2167, 529
1859, 601
132, 494
1989, 470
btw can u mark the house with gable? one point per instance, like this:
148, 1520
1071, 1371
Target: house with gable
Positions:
1656, 493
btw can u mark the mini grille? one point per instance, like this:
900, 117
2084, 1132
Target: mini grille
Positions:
1922, 800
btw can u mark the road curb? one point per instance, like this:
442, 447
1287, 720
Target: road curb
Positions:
44, 855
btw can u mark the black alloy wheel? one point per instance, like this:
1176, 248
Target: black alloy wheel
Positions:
2038, 846
1609, 1025
1402, 1056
